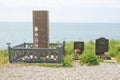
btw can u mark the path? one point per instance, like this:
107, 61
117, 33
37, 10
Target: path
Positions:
104, 71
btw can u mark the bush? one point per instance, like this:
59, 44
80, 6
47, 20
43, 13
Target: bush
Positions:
114, 47
118, 58
89, 47
89, 59
69, 48
3, 57
100, 59
67, 61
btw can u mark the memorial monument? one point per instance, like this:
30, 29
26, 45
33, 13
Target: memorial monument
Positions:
40, 29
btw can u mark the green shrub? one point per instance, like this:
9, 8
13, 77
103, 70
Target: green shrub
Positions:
88, 56
89, 47
67, 61
100, 59
118, 58
89, 59
69, 48
3, 57
114, 47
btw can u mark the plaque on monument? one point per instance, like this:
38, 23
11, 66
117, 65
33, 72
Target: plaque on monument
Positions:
40, 29
101, 45
79, 46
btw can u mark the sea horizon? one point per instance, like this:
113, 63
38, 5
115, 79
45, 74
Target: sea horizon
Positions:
20, 32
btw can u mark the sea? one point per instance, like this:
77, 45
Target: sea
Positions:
20, 32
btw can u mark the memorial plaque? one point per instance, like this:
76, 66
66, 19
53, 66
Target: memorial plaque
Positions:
101, 45
79, 46
40, 29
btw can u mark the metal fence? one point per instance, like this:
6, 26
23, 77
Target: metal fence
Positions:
27, 53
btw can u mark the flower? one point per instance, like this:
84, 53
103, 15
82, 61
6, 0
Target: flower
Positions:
77, 50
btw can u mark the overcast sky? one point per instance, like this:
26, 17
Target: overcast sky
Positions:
61, 10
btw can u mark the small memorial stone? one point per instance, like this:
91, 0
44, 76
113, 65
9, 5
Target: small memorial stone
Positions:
101, 45
79, 47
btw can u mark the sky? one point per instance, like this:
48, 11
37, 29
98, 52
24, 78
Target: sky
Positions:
78, 11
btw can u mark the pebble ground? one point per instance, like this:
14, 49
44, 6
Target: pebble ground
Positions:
104, 71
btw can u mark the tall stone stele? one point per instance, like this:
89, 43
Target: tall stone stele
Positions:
40, 29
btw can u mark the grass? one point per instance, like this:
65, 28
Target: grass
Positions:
114, 47
89, 48
118, 58
67, 61
89, 59
69, 48
88, 56
69, 56
3, 57
56, 65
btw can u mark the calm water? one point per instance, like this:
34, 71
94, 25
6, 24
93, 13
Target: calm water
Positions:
19, 32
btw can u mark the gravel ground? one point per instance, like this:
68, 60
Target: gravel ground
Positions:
104, 71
